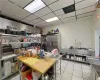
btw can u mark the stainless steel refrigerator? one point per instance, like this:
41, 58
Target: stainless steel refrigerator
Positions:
53, 42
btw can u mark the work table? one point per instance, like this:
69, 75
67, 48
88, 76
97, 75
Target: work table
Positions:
41, 65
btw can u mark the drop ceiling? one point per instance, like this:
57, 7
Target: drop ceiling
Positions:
54, 8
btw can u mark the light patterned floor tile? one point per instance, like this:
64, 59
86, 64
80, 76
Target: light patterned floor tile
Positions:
76, 78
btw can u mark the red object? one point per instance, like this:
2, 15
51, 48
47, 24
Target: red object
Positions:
29, 77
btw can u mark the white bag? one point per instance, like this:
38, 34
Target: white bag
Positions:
36, 75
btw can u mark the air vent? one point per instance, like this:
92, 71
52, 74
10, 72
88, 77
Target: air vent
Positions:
69, 9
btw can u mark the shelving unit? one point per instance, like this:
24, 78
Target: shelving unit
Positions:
6, 56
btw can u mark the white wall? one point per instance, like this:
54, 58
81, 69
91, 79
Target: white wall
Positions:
79, 30
5, 22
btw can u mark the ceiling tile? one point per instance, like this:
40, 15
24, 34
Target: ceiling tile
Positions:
47, 2
67, 15
25, 21
78, 1
11, 16
67, 20
92, 8
56, 22
2, 4
84, 3
84, 18
21, 3
59, 12
72, 18
48, 16
31, 17
36, 20
61, 4
12, 9
42, 12
64, 20
85, 14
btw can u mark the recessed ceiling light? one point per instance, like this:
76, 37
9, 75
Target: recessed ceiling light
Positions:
34, 6
52, 19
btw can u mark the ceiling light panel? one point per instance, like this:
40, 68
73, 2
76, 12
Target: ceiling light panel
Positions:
12, 9
2, 4
85, 14
92, 8
67, 15
84, 3
47, 2
59, 12
61, 4
31, 17
48, 16
35, 6
52, 19
42, 12
21, 3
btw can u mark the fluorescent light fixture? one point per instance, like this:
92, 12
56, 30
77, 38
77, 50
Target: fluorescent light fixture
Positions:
34, 6
52, 19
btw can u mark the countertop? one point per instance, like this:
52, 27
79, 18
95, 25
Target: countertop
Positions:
95, 63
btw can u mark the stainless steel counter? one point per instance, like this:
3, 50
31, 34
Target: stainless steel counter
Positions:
95, 64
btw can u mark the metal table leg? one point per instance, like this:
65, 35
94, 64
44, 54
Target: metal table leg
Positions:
60, 66
55, 71
42, 76
0, 71
19, 69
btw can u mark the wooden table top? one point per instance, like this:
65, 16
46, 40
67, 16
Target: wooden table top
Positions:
39, 65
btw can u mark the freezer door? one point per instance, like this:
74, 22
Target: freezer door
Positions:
52, 42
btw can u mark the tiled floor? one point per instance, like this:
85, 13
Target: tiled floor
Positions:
73, 71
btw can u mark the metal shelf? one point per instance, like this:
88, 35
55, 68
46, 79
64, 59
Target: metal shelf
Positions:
9, 35
8, 57
9, 75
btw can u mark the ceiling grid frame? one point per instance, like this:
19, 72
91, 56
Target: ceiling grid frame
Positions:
52, 11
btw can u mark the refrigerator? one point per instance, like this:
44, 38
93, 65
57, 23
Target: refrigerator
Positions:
53, 42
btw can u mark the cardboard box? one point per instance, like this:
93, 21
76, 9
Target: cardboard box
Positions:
26, 73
